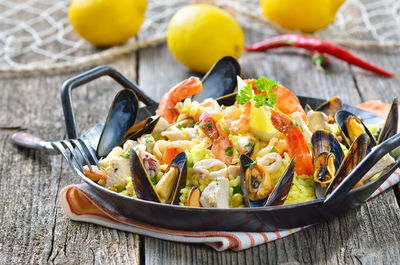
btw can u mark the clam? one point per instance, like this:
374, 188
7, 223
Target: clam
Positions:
257, 186
317, 120
121, 117
168, 188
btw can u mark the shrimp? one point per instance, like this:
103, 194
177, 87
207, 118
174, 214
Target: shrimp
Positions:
221, 147
237, 120
186, 88
288, 103
295, 142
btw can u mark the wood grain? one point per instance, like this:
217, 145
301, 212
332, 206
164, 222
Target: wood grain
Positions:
34, 231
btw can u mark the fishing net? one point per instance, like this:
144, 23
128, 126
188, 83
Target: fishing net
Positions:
36, 34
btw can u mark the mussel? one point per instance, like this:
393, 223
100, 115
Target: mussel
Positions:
168, 188
391, 123
331, 106
121, 117
352, 127
220, 80
257, 186
354, 156
328, 156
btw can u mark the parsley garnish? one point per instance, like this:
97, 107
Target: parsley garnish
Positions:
127, 154
251, 165
298, 125
203, 127
262, 85
179, 126
229, 151
273, 150
154, 180
244, 95
237, 189
209, 125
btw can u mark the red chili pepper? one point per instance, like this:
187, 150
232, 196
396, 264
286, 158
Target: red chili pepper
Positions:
316, 45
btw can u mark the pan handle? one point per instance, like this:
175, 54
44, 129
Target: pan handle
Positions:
86, 77
366, 164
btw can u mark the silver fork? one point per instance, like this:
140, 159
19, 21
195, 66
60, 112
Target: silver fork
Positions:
77, 153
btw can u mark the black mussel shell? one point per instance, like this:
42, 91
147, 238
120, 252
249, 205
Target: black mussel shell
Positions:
245, 163
323, 141
331, 106
220, 80
144, 127
341, 118
143, 186
281, 190
140, 179
181, 162
354, 156
121, 116
391, 123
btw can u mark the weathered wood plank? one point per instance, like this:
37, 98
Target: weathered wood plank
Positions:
360, 236
33, 228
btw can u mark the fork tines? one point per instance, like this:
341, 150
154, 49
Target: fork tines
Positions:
77, 153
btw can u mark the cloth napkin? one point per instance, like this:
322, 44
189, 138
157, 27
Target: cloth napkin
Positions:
77, 204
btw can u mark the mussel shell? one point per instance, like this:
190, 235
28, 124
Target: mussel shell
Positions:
144, 127
331, 106
354, 156
141, 180
323, 141
220, 80
281, 189
245, 163
341, 117
391, 123
181, 162
121, 116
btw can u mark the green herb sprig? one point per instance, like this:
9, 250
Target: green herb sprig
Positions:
262, 85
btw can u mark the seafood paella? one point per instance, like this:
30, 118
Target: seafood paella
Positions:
255, 148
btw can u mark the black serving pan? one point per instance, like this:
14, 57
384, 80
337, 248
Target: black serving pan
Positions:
265, 219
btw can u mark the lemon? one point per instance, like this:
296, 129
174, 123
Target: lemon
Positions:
260, 123
200, 34
304, 15
260, 118
107, 22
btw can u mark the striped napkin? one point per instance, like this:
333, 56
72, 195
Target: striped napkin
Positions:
77, 204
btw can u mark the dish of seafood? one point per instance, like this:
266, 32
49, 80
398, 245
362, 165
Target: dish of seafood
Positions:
258, 147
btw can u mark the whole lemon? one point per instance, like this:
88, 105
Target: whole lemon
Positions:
107, 22
200, 34
304, 15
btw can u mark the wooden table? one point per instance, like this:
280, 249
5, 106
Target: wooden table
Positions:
34, 230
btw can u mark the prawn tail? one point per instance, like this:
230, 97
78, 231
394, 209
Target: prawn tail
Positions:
295, 141
186, 88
